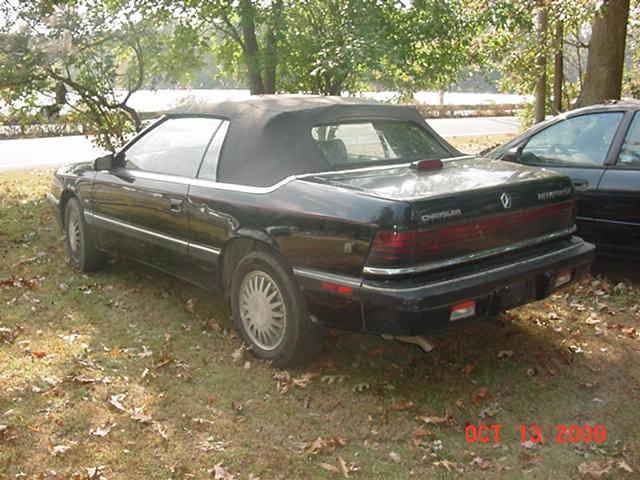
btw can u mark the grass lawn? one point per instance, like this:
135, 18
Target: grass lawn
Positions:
129, 374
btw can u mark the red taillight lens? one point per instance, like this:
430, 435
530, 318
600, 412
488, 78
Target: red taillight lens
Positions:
390, 247
405, 248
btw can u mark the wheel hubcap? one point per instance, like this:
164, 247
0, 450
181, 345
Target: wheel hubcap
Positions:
73, 231
262, 310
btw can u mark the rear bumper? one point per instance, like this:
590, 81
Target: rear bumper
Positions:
415, 305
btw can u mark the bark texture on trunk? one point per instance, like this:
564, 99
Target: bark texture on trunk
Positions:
558, 68
541, 83
250, 48
605, 62
271, 47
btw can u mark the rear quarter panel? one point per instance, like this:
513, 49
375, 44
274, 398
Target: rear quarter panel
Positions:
312, 225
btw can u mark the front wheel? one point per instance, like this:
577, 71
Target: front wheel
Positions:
270, 314
79, 242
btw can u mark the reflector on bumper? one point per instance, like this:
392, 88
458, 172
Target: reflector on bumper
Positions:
463, 310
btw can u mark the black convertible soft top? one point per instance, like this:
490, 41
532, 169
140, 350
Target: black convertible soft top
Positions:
269, 136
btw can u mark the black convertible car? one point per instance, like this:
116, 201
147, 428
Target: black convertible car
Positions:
599, 148
316, 211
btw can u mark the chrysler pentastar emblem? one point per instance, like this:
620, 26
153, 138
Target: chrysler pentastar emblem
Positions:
505, 199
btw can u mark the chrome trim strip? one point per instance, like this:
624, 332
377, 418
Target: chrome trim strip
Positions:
151, 233
234, 187
198, 182
204, 248
327, 277
476, 274
602, 220
467, 258
213, 250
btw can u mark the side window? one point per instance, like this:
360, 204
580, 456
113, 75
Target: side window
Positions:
209, 168
581, 141
175, 147
630, 151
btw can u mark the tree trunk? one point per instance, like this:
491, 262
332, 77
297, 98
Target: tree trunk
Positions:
271, 47
605, 62
558, 68
250, 48
541, 83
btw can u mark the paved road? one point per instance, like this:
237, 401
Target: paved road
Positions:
25, 154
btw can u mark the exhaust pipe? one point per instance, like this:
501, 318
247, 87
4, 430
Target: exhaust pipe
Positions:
419, 340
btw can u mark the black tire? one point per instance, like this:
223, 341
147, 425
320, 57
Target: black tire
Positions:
79, 241
301, 339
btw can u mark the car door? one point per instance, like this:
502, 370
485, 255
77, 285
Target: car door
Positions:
139, 207
578, 147
619, 192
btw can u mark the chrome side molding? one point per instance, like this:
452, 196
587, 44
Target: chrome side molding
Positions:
92, 217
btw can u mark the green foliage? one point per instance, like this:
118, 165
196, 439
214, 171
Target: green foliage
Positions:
431, 42
89, 57
330, 45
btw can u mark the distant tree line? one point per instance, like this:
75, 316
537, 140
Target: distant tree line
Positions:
82, 53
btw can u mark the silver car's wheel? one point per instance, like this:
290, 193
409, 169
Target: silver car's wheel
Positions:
79, 240
262, 310
73, 233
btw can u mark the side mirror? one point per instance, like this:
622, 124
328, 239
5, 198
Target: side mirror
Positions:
512, 155
108, 162
104, 163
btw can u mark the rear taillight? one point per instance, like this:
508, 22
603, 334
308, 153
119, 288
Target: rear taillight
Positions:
399, 248
392, 248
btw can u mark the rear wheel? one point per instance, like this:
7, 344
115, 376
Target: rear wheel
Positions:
79, 243
270, 314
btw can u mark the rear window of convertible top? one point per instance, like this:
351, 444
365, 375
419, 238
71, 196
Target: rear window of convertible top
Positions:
364, 143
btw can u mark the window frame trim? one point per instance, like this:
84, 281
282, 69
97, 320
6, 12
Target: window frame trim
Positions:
629, 119
222, 130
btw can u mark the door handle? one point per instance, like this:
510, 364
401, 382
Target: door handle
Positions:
175, 205
580, 184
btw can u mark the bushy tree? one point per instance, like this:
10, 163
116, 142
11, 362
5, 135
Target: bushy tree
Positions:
90, 56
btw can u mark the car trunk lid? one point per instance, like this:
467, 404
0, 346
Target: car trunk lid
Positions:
468, 209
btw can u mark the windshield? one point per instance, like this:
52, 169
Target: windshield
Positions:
369, 142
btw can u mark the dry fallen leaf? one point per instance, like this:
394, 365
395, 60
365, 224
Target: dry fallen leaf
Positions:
94, 473
505, 354
480, 395
238, 354
433, 420
101, 431
594, 469
469, 368
402, 405
221, 473
61, 449
161, 430
420, 433
83, 379
116, 401
190, 304
446, 464
139, 416
480, 463
340, 467
39, 354
324, 445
